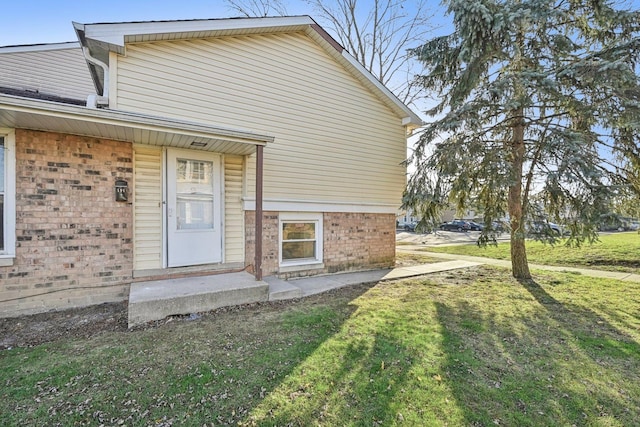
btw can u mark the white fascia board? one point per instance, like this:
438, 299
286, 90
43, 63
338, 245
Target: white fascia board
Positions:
127, 119
39, 47
411, 118
115, 33
408, 118
282, 205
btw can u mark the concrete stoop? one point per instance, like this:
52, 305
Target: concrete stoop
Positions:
281, 289
155, 300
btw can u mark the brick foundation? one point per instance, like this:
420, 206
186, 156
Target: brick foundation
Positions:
357, 241
74, 241
352, 242
269, 242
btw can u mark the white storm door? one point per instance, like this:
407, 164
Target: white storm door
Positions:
194, 218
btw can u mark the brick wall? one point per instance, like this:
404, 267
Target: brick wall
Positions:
269, 242
74, 241
351, 241
356, 241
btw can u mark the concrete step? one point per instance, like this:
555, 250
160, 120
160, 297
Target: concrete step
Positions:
281, 290
155, 300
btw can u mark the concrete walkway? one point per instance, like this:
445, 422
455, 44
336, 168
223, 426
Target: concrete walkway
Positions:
154, 300
297, 288
618, 275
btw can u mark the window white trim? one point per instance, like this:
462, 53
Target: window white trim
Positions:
301, 217
9, 251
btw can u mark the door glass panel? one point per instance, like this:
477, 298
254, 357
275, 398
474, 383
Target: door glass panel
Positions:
194, 194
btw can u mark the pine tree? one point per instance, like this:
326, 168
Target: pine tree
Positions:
538, 115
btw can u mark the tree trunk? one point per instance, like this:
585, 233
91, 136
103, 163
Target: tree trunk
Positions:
519, 263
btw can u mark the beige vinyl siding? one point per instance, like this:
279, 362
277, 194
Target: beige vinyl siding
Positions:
61, 72
334, 140
234, 217
147, 207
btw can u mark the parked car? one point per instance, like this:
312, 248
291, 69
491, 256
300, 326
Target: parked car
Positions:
545, 227
613, 222
407, 226
500, 226
410, 226
474, 226
555, 228
455, 225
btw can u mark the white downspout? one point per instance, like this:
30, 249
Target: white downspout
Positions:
93, 101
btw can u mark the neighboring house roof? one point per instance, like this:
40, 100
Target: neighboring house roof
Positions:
102, 38
21, 112
36, 94
57, 72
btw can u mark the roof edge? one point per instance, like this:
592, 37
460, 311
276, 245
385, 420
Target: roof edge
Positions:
115, 34
39, 47
127, 119
408, 116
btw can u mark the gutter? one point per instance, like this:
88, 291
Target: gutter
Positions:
94, 101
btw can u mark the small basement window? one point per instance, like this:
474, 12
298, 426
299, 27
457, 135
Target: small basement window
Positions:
300, 239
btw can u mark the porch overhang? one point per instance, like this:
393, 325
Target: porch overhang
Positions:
26, 113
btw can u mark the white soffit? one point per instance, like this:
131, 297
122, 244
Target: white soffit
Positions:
118, 33
22, 113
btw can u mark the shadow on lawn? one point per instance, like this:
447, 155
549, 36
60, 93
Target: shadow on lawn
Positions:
595, 335
364, 355
361, 390
216, 369
359, 375
538, 362
560, 364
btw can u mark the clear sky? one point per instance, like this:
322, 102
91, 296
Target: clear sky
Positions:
49, 21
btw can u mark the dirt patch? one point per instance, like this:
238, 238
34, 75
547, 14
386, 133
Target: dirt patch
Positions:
628, 263
32, 330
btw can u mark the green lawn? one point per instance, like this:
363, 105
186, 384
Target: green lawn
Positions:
468, 347
614, 252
